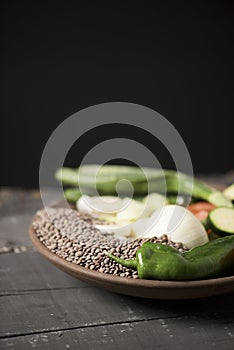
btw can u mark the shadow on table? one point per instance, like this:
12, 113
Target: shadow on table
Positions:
210, 307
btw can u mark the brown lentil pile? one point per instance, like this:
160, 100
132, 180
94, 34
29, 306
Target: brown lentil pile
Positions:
72, 236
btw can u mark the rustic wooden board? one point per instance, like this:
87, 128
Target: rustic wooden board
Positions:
170, 334
17, 208
14, 231
56, 309
30, 272
49, 310
18, 201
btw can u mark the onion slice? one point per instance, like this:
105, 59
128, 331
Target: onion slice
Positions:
179, 224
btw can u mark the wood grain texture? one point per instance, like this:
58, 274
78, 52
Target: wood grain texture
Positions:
18, 201
14, 229
49, 309
71, 308
170, 334
30, 272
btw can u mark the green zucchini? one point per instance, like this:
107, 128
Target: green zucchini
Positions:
144, 180
221, 221
186, 185
106, 179
229, 192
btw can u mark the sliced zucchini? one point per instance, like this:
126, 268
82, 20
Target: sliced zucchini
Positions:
229, 192
221, 221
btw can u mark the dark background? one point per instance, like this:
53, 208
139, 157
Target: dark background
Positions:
57, 59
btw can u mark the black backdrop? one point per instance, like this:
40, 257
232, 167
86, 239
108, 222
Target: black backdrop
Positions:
57, 59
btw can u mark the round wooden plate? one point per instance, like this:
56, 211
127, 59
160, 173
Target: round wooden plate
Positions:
136, 287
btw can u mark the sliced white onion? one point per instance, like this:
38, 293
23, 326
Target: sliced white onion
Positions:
139, 227
152, 202
136, 209
133, 211
102, 204
82, 204
109, 218
179, 224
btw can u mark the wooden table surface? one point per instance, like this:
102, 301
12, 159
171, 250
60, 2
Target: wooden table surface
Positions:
44, 308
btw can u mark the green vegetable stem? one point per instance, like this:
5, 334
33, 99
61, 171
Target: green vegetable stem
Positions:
158, 261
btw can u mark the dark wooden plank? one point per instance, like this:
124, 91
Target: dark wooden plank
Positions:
78, 307
29, 271
17, 208
14, 231
171, 334
81, 307
20, 201
71, 308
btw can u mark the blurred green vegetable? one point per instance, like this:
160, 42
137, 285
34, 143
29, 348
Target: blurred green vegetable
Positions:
91, 178
72, 194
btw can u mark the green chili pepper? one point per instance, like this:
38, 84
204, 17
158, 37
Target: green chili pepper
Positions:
158, 261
